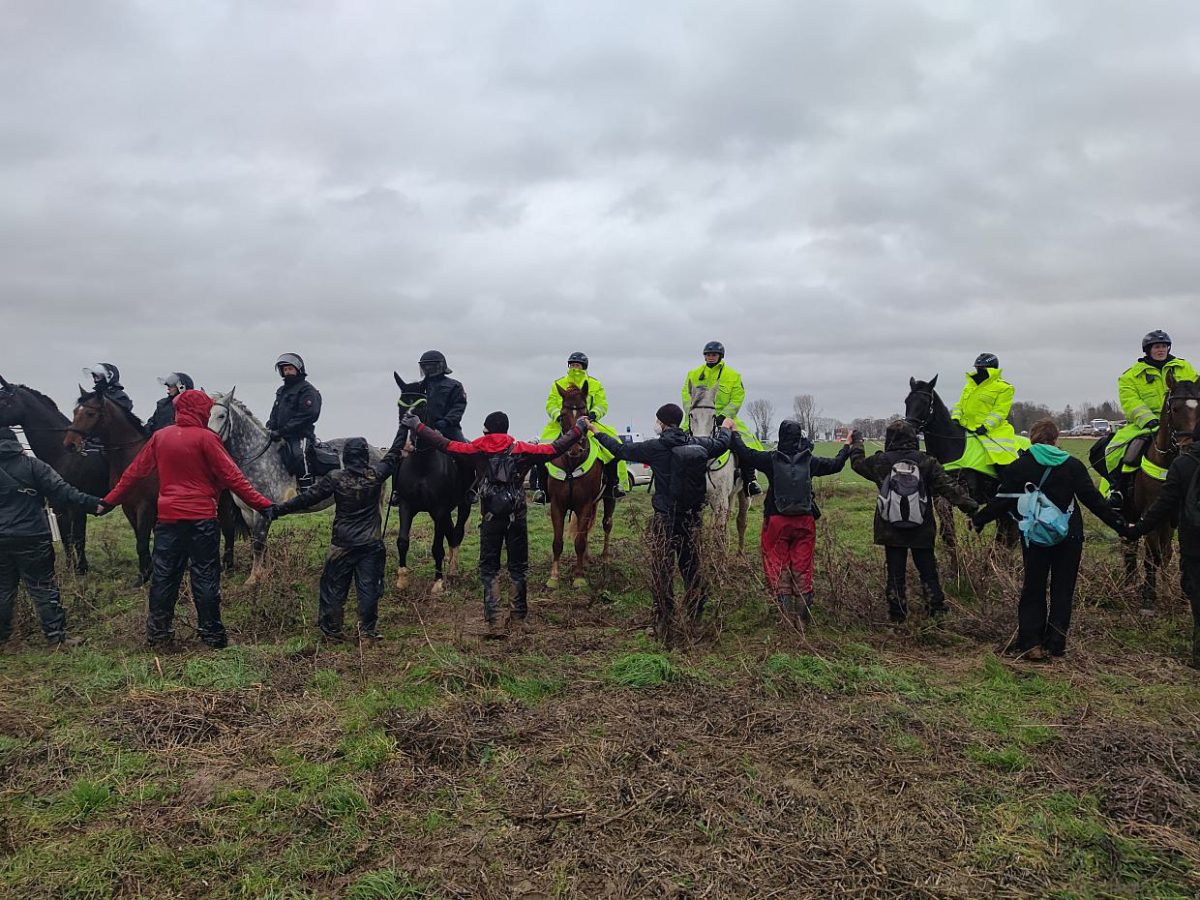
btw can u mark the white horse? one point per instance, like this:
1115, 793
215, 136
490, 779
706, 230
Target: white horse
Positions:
249, 443
724, 475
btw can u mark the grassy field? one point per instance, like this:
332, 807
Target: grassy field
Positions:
580, 760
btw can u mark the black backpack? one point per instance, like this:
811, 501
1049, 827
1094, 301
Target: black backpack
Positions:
791, 485
689, 477
903, 501
503, 488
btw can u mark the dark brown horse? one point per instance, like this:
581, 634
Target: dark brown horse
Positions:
45, 427
123, 437
1177, 421
575, 492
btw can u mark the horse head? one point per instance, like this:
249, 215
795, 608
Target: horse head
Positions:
10, 404
920, 402
1181, 410
412, 397
220, 417
574, 405
702, 410
90, 416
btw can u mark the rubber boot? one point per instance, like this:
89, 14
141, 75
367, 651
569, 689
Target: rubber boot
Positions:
520, 604
897, 608
750, 480
805, 610
612, 481
491, 608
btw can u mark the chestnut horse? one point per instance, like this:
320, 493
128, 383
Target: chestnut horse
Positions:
1180, 413
123, 437
574, 492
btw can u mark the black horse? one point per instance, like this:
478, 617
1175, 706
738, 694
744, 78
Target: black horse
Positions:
946, 441
45, 427
431, 482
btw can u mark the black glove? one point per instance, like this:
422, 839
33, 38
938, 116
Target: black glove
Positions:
272, 435
271, 513
1129, 531
1152, 425
440, 425
583, 422
411, 421
981, 431
102, 508
976, 525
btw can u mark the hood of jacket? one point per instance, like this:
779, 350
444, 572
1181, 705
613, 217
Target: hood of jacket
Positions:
192, 409
900, 436
356, 455
1049, 455
791, 437
9, 445
494, 443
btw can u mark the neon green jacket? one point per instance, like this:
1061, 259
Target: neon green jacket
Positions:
730, 392
986, 405
597, 399
1143, 389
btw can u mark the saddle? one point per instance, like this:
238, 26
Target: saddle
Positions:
318, 458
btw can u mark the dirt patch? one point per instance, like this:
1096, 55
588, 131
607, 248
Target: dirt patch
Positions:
164, 721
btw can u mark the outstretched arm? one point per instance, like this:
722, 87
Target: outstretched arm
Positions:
144, 465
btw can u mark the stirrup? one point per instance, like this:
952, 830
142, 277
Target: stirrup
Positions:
753, 489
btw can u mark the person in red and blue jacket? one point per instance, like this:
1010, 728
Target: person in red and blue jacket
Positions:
502, 507
193, 467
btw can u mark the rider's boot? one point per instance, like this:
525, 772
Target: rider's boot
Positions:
612, 481
750, 480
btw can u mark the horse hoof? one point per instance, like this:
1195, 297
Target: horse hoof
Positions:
438, 587
552, 583
401, 579
579, 583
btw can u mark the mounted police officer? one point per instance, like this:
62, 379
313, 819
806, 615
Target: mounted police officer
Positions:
294, 416
444, 396
1142, 389
577, 376
164, 411
731, 394
106, 379
983, 407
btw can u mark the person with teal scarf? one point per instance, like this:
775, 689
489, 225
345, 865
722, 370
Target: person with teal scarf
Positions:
1065, 482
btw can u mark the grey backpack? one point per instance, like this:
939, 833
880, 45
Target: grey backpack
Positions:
903, 501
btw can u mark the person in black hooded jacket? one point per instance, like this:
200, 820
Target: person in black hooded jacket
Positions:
674, 528
164, 411
26, 552
356, 550
1063, 480
294, 414
790, 513
916, 530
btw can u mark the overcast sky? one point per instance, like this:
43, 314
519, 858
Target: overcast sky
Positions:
845, 193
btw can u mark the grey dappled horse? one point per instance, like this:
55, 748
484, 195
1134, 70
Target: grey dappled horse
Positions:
247, 440
724, 475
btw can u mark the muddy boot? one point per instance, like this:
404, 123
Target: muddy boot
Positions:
612, 481
805, 608
491, 601
897, 608
787, 605
520, 605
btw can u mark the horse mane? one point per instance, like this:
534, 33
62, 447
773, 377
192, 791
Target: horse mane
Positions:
242, 408
129, 416
41, 398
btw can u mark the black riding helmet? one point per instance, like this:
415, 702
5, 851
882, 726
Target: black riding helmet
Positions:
433, 362
987, 361
714, 347
578, 357
181, 380
1155, 337
105, 373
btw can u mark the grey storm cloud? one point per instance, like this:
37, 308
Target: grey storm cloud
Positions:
845, 194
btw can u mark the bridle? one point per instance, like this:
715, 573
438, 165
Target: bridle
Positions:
413, 447
223, 434
1169, 428
101, 415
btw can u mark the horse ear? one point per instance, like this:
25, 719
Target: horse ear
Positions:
912, 384
561, 392
933, 382
1171, 381
399, 381
229, 396
82, 392
4, 383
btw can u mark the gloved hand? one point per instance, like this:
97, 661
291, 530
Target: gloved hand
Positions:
981, 431
271, 513
102, 509
1129, 532
272, 435
584, 422
1152, 424
976, 525
411, 421
854, 437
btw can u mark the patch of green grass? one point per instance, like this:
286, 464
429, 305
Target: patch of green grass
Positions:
224, 670
785, 671
1006, 759
1012, 705
387, 884
532, 690
327, 682
643, 670
342, 801
910, 744
1066, 834
367, 750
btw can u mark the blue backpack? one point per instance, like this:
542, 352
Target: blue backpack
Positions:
1040, 520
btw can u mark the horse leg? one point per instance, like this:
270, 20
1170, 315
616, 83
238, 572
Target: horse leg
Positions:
743, 507
946, 525
607, 523
457, 532
557, 518
1156, 556
258, 550
441, 527
583, 525
143, 530
73, 522
404, 517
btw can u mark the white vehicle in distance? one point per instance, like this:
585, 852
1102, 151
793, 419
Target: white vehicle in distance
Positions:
639, 473
1101, 426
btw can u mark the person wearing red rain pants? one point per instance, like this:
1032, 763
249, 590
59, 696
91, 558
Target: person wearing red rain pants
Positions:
790, 514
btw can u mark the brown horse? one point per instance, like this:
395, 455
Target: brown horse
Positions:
123, 437
576, 493
1177, 421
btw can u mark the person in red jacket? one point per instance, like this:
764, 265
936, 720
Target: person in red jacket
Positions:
193, 468
502, 462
